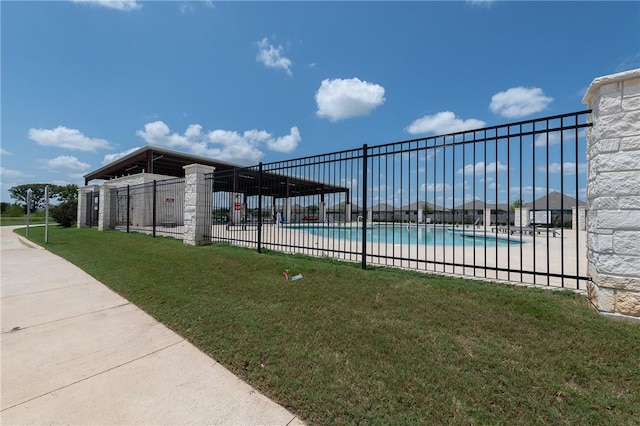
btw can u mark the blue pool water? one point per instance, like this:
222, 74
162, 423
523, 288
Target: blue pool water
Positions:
401, 234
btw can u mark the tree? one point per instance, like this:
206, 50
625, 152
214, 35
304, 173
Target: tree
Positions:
313, 209
61, 193
517, 204
65, 193
426, 209
19, 193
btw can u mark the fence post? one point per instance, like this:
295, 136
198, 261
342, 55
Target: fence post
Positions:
260, 207
196, 204
128, 207
154, 209
365, 161
613, 193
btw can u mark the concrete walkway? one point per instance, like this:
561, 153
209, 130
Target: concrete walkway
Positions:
74, 352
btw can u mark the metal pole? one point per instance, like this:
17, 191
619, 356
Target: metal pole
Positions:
29, 191
128, 208
154, 209
260, 207
46, 214
365, 160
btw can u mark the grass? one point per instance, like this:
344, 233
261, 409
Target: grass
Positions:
22, 220
382, 346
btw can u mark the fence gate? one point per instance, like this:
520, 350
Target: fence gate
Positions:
93, 206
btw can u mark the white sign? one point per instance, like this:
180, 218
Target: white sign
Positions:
540, 216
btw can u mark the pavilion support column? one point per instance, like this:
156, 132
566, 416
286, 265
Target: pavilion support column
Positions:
86, 203
82, 207
486, 221
522, 217
106, 216
286, 209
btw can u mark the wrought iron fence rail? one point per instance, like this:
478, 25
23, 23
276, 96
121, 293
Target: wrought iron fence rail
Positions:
155, 208
457, 178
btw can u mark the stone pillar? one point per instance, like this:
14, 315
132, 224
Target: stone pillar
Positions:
105, 216
522, 217
613, 193
287, 210
82, 208
419, 214
487, 217
578, 217
347, 211
83, 199
197, 210
322, 212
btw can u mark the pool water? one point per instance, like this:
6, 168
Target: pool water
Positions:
401, 234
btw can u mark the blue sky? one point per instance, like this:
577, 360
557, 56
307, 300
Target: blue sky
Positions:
84, 82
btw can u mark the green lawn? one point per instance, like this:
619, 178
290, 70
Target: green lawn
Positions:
382, 346
22, 220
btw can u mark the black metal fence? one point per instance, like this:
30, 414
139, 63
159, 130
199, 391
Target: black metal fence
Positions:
155, 208
502, 202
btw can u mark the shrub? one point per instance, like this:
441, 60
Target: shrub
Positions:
13, 210
66, 213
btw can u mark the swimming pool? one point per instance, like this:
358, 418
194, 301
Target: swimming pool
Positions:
401, 234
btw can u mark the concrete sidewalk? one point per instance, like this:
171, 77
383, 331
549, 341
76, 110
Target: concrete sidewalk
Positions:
74, 352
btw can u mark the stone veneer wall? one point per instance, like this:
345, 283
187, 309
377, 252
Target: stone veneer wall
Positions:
83, 194
197, 207
141, 208
613, 193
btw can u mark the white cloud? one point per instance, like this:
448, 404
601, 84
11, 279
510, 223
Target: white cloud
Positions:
519, 102
442, 123
286, 143
63, 137
65, 162
185, 7
553, 138
567, 168
629, 63
4, 152
339, 99
480, 169
528, 189
223, 145
110, 158
8, 173
438, 187
272, 57
124, 5
484, 3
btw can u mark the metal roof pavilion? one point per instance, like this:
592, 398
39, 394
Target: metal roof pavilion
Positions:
151, 159
227, 176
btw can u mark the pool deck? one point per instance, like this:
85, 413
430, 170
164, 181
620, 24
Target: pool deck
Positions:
538, 255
